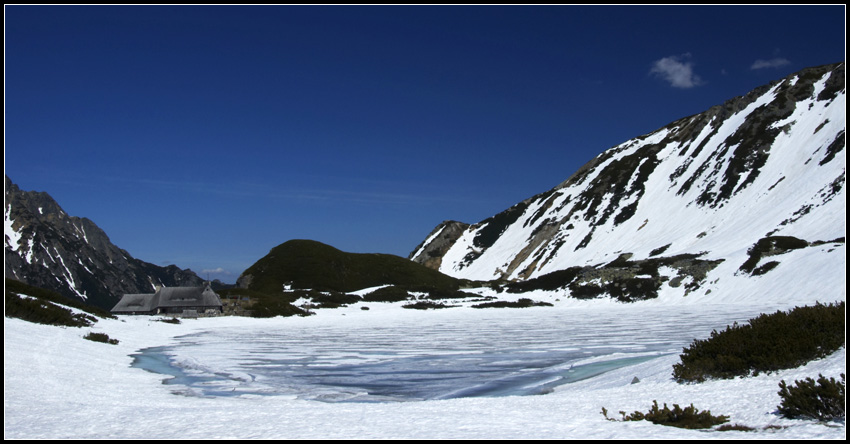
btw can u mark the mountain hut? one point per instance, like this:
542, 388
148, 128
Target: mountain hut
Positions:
175, 301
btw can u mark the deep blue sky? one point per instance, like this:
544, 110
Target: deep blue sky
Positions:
205, 136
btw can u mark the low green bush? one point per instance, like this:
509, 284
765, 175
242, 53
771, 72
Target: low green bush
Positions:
735, 427
387, 294
659, 250
762, 269
100, 337
437, 294
822, 400
769, 342
688, 418
333, 299
520, 303
426, 305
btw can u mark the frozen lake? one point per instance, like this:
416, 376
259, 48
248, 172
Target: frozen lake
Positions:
509, 352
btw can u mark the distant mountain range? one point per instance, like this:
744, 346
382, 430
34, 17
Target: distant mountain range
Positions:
754, 185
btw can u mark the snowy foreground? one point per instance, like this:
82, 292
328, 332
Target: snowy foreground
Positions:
58, 385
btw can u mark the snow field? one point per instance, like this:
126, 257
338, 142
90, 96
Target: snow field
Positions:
57, 385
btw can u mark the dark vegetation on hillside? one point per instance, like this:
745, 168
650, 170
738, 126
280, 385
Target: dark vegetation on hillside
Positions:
426, 305
768, 343
437, 294
520, 303
769, 246
325, 276
265, 305
388, 294
305, 264
329, 299
331, 274
493, 227
622, 279
43, 306
774, 246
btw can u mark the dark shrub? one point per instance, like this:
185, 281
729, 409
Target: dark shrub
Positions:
659, 250
387, 294
333, 299
426, 305
100, 337
520, 303
768, 246
765, 268
437, 294
550, 281
633, 289
735, 427
770, 342
687, 418
586, 291
822, 400
263, 305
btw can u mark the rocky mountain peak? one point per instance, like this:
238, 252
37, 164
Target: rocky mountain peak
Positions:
47, 248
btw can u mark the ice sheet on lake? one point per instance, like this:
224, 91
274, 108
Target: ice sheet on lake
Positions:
439, 360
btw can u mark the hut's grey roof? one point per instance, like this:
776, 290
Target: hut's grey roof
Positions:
168, 297
134, 303
187, 297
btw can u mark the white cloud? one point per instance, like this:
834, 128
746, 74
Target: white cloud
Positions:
677, 71
216, 270
772, 63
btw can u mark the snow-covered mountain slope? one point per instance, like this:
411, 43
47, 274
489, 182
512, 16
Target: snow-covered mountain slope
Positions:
46, 247
741, 184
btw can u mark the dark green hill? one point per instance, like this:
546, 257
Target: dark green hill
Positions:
307, 264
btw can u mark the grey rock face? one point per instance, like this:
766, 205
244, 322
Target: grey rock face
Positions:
430, 252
